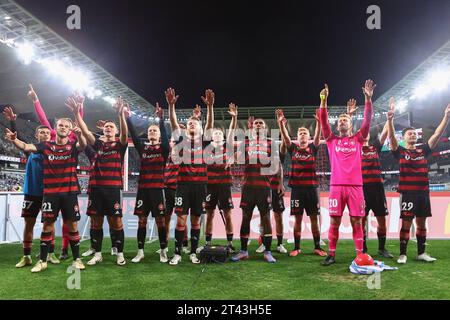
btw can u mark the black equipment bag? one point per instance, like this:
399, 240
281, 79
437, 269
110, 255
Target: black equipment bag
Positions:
211, 254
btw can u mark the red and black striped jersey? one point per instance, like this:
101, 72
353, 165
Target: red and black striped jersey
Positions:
303, 167
60, 167
151, 174
275, 182
257, 156
188, 154
108, 163
216, 162
413, 168
171, 174
370, 164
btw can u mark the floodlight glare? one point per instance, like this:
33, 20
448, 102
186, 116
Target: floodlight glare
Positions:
25, 51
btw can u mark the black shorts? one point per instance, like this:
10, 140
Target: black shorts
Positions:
150, 200
67, 204
105, 202
375, 200
305, 199
256, 197
190, 198
277, 202
218, 195
31, 206
415, 205
170, 200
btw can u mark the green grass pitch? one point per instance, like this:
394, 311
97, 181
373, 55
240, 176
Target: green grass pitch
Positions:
301, 277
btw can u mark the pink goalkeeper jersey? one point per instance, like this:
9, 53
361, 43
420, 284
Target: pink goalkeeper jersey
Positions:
345, 152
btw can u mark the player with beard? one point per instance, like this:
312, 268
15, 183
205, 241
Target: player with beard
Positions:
192, 175
33, 191
414, 182
105, 181
256, 188
346, 185
303, 180
61, 186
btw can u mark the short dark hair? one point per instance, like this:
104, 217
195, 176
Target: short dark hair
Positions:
407, 129
110, 121
40, 128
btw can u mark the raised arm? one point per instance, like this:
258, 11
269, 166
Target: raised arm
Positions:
434, 140
318, 129
162, 128
9, 114
285, 138
75, 107
233, 111
368, 89
120, 106
384, 134
81, 144
134, 135
171, 99
42, 117
26, 147
325, 125
209, 99
393, 143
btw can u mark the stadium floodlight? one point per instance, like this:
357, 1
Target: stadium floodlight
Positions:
76, 79
54, 66
157, 119
422, 91
401, 105
440, 79
93, 93
110, 100
25, 51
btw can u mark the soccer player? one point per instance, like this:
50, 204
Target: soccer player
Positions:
44, 121
105, 181
303, 181
256, 189
346, 185
33, 192
192, 175
414, 183
278, 207
374, 195
91, 154
60, 186
219, 178
150, 196
170, 187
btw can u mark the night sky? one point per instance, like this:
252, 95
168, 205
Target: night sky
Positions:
261, 53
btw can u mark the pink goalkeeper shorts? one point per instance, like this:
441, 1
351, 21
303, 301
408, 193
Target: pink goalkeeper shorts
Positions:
350, 196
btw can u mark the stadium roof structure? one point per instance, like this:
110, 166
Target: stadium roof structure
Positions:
18, 25
404, 89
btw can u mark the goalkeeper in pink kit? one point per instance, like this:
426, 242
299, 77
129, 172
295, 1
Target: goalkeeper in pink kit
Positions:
346, 185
